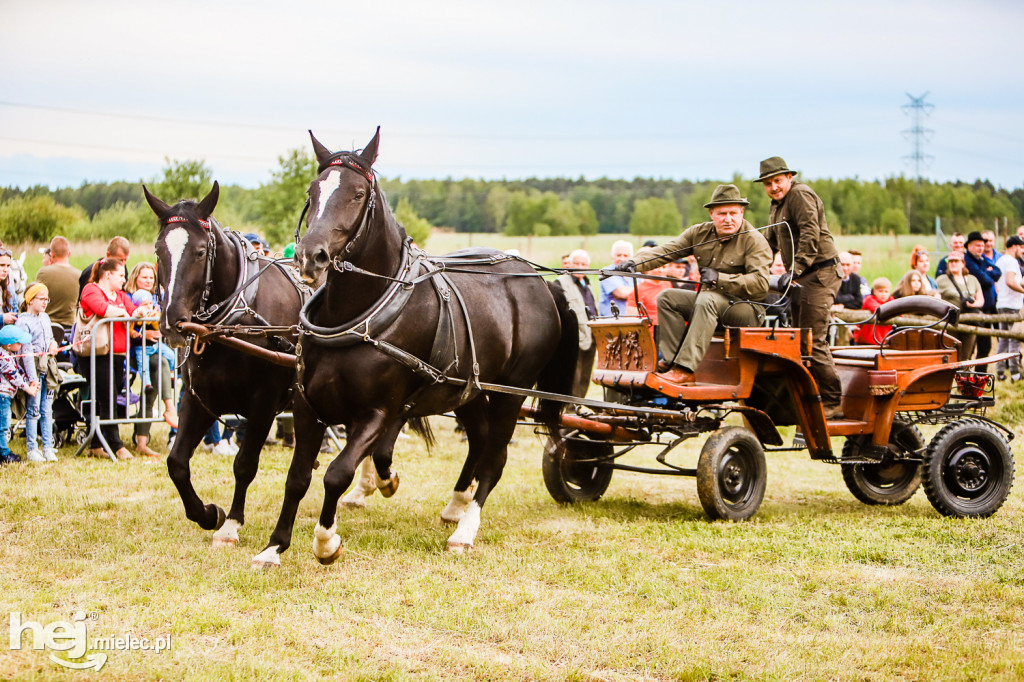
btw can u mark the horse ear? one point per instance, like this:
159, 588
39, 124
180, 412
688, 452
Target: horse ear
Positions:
209, 203
322, 152
369, 153
160, 208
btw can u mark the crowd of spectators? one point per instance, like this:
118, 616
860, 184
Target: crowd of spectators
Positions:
974, 276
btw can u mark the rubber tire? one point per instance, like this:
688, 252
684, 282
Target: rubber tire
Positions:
729, 453
968, 469
891, 484
569, 483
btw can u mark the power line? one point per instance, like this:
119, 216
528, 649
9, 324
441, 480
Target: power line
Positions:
918, 109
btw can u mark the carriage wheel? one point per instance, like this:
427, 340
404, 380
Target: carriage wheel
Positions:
968, 469
731, 474
570, 481
889, 482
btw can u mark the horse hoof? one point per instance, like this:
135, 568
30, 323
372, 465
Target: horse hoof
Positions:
258, 565
221, 518
327, 561
353, 504
223, 542
459, 547
450, 521
268, 558
390, 486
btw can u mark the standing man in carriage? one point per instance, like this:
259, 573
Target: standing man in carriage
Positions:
815, 267
733, 258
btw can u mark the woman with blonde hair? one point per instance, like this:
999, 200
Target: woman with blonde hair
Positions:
921, 261
151, 359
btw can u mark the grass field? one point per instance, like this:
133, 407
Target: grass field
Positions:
636, 586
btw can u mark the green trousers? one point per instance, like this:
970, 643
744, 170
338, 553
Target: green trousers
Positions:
704, 310
813, 311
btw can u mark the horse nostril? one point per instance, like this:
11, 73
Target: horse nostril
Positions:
321, 258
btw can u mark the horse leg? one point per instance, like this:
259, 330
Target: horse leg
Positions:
384, 477
309, 434
364, 487
473, 417
194, 422
364, 437
502, 415
247, 462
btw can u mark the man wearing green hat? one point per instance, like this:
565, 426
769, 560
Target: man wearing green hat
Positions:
734, 259
814, 264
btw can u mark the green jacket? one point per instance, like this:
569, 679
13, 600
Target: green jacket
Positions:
805, 213
742, 261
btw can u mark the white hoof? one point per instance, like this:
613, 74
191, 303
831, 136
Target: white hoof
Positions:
456, 508
326, 544
227, 536
364, 487
462, 539
353, 501
268, 558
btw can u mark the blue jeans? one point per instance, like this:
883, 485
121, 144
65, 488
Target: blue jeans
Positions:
5, 423
36, 420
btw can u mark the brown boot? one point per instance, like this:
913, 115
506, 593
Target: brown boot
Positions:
678, 376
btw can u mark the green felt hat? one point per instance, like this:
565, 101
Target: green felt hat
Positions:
726, 194
776, 165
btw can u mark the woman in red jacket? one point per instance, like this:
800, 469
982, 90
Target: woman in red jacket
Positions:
103, 296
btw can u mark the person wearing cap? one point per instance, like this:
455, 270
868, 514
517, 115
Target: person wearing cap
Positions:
963, 290
733, 259
1009, 301
11, 379
985, 270
61, 280
814, 262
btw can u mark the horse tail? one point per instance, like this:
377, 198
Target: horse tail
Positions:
421, 426
560, 372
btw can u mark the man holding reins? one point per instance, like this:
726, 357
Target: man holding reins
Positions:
734, 259
815, 267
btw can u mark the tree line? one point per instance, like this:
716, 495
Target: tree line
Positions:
533, 206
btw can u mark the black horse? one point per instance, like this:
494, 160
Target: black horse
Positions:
212, 276
393, 336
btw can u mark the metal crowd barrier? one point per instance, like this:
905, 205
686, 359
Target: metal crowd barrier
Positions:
118, 394
105, 363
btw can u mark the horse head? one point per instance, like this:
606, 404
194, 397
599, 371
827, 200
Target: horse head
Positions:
342, 200
182, 249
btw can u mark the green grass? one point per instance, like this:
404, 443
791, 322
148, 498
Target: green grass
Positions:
638, 585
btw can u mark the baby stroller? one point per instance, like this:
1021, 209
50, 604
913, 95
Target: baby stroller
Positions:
69, 424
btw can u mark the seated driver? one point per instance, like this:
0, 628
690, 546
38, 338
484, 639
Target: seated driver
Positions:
733, 258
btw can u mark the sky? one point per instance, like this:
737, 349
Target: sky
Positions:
109, 90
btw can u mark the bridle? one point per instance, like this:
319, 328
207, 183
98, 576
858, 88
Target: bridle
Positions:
211, 255
353, 162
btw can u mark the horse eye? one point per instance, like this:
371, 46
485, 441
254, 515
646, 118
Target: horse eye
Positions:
360, 194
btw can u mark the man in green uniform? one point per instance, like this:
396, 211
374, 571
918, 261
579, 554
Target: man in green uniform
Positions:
815, 267
734, 259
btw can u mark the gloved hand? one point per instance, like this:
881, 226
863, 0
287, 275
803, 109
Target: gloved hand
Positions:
626, 266
708, 275
780, 282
